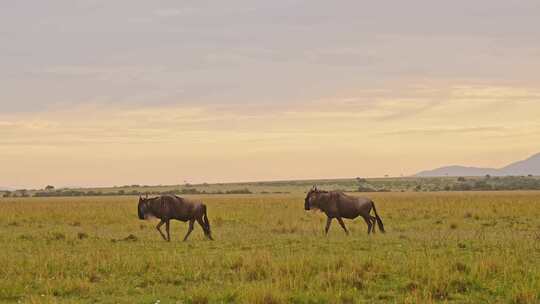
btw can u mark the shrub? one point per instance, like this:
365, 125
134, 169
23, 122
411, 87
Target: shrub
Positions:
58, 236
239, 191
366, 188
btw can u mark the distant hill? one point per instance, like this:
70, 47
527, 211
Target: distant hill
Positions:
528, 166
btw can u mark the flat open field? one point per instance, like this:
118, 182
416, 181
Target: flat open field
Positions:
475, 247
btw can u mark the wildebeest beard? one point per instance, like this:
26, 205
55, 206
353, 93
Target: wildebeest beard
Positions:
310, 202
143, 209
140, 212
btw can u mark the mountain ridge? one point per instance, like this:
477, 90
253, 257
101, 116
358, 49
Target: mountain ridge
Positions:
529, 166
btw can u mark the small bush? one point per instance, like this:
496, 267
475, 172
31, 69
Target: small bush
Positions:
239, 191
57, 236
347, 299
130, 238
461, 267
237, 265
439, 293
411, 287
461, 286
358, 283
269, 298
199, 299
94, 278
26, 237
523, 297
256, 272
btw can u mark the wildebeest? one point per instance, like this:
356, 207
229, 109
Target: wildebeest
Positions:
172, 207
339, 205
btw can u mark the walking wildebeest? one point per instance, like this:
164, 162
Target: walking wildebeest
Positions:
172, 207
339, 205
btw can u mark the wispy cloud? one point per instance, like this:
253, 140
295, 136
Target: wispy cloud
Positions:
449, 130
364, 129
376, 114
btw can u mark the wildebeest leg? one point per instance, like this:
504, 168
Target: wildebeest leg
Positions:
205, 229
167, 229
328, 222
191, 222
369, 224
158, 227
343, 225
374, 223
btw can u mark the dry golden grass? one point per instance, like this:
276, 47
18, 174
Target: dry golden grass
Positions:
440, 247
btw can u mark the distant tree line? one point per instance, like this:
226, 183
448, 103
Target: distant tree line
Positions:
489, 183
16, 193
69, 192
486, 183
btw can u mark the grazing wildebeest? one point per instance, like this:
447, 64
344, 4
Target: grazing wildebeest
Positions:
172, 207
339, 205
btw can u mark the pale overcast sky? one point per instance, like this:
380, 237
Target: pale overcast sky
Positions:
119, 92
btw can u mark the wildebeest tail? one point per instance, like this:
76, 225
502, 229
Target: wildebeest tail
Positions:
205, 219
379, 220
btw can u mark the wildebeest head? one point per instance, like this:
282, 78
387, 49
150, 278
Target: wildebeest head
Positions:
309, 197
142, 208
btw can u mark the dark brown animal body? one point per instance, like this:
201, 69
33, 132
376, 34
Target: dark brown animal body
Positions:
339, 206
171, 207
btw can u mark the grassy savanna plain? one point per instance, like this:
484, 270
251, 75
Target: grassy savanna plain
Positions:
473, 247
